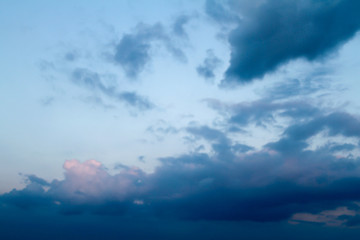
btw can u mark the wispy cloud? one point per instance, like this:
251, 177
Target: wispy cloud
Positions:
132, 52
92, 81
207, 68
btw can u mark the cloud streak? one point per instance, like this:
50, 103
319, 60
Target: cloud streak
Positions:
92, 81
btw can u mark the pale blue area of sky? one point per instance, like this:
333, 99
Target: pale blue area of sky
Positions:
46, 119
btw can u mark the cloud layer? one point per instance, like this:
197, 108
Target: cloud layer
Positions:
282, 181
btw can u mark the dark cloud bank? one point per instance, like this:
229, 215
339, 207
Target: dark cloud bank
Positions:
271, 33
233, 190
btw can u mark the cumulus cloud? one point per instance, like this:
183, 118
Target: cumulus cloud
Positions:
275, 32
90, 183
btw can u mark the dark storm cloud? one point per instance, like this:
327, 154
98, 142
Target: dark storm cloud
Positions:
92, 81
133, 51
207, 68
275, 32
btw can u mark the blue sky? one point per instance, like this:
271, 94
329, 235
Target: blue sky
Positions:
181, 116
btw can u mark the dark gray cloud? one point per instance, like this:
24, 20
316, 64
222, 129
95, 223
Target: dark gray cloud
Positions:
93, 82
207, 68
220, 143
230, 183
282, 181
258, 187
342, 147
34, 179
275, 32
132, 52
337, 124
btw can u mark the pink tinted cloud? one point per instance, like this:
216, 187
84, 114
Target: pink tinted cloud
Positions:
89, 182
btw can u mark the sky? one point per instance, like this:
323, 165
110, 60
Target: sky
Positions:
204, 119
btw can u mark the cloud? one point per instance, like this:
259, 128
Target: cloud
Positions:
263, 111
221, 13
36, 180
282, 181
314, 82
335, 124
161, 129
133, 51
220, 143
178, 25
133, 99
334, 217
71, 56
93, 82
211, 62
276, 32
